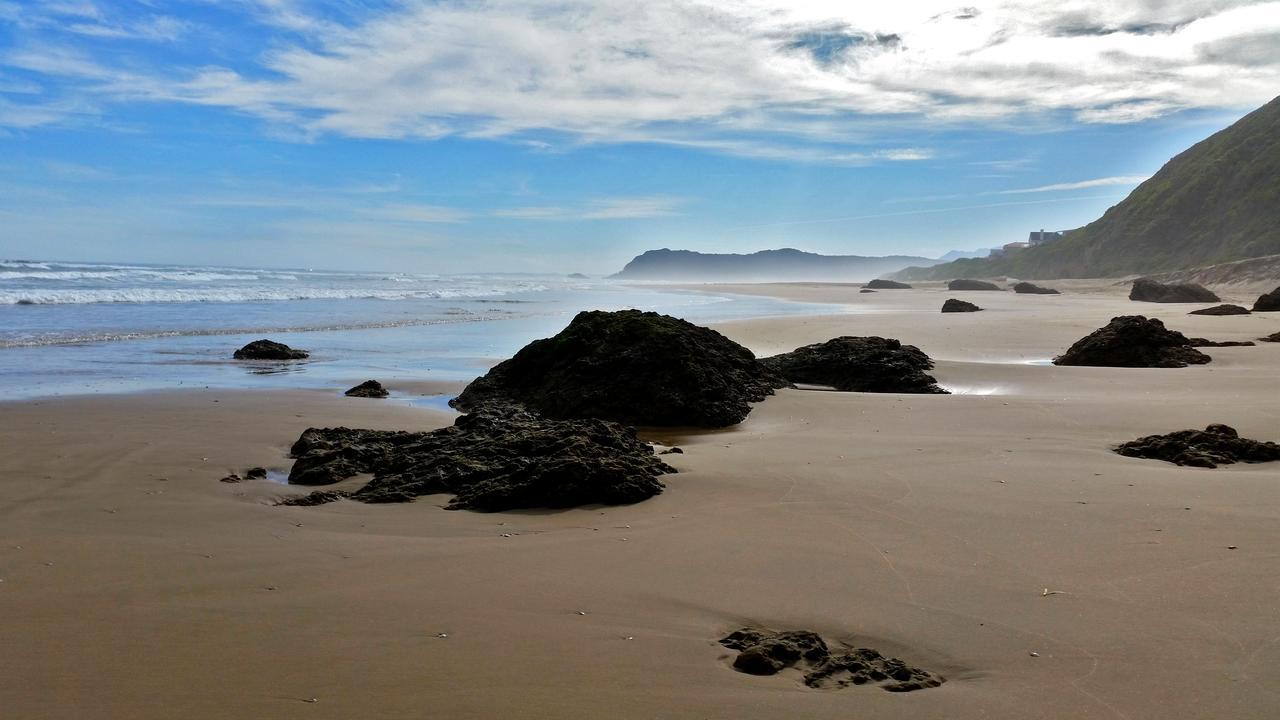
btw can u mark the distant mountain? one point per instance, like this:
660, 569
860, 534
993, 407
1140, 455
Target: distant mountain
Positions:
962, 254
1217, 202
766, 265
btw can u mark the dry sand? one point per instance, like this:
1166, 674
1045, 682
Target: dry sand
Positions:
135, 585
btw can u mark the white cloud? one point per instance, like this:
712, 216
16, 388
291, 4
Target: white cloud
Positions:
417, 213
802, 80
1096, 182
616, 208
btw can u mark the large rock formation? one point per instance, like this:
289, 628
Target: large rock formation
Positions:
1133, 341
952, 305
1268, 302
965, 284
879, 284
368, 389
1215, 445
268, 350
1026, 288
491, 460
1227, 309
630, 366
858, 364
1145, 290
766, 652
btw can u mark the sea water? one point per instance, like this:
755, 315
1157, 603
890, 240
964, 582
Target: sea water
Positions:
78, 328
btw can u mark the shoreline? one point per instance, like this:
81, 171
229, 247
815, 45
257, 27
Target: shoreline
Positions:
928, 527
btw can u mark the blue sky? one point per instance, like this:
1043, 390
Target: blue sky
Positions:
570, 136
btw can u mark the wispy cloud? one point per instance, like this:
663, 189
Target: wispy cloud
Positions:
794, 81
1096, 182
409, 213
617, 208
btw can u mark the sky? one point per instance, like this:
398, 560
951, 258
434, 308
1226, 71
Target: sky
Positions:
441, 136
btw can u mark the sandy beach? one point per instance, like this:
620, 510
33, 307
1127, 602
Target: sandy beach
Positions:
989, 535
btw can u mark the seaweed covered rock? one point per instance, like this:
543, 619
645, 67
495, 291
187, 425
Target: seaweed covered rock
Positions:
1145, 290
367, 389
495, 459
1268, 302
1026, 288
1273, 337
767, 652
879, 284
1133, 341
268, 350
966, 284
1227, 309
629, 366
858, 364
1215, 445
954, 305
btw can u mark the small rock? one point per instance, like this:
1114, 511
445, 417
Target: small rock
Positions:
1268, 302
1221, 310
368, 389
952, 305
268, 350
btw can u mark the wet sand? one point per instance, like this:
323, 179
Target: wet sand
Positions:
135, 585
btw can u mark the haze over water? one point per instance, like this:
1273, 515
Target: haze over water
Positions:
70, 328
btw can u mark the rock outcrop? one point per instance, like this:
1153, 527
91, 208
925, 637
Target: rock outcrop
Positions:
1215, 445
953, 305
1268, 302
767, 652
491, 460
1205, 342
858, 364
368, 389
1133, 341
879, 284
268, 350
633, 367
1273, 337
1026, 288
1227, 309
965, 284
1145, 290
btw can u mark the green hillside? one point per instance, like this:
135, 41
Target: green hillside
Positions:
1216, 202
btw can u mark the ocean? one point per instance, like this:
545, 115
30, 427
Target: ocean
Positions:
97, 328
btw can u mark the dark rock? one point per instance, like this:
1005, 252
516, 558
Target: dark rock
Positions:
1145, 290
232, 478
879, 284
498, 458
368, 389
576, 276
1221, 310
954, 305
766, 652
268, 350
1026, 288
257, 473
864, 290
1204, 342
672, 451
1215, 445
965, 284
629, 366
858, 364
319, 497
1268, 302
1133, 341
1273, 337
